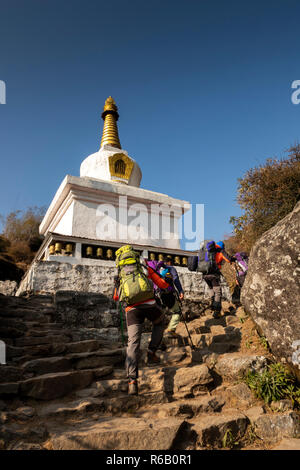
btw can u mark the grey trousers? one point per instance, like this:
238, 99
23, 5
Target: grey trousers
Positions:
133, 347
214, 289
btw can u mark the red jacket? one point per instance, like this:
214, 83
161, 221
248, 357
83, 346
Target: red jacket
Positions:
156, 278
220, 257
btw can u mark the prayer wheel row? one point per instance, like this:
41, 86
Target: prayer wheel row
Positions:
98, 252
61, 248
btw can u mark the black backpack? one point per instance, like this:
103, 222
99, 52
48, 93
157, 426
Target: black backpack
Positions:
207, 258
192, 263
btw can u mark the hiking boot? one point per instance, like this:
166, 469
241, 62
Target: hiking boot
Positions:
152, 357
133, 387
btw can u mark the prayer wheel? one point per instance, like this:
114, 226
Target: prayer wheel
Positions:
58, 247
109, 254
184, 261
89, 251
160, 257
69, 249
152, 256
99, 252
52, 250
177, 261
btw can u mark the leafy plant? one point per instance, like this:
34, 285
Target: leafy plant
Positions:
263, 341
274, 383
228, 439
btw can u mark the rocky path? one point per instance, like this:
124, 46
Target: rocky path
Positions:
58, 391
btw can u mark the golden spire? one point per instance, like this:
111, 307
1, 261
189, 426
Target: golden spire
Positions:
110, 116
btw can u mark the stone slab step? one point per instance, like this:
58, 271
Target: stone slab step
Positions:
64, 409
188, 408
217, 431
118, 434
47, 365
55, 385
37, 340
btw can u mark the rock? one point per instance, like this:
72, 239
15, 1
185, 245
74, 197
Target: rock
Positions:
119, 434
16, 431
4, 417
83, 346
9, 332
97, 359
8, 389
272, 428
8, 287
74, 407
191, 381
288, 444
254, 412
47, 365
56, 385
26, 446
271, 290
212, 430
282, 405
24, 412
233, 365
107, 387
2, 405
189, 408
37, 340
241, 394
10, 374
102, 371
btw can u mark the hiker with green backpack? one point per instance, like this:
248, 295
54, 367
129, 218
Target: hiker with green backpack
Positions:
134, 289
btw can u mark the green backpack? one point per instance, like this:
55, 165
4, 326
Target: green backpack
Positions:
135, 286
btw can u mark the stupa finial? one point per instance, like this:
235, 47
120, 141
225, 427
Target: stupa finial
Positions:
110, 116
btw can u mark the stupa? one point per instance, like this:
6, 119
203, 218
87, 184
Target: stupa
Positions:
93, 214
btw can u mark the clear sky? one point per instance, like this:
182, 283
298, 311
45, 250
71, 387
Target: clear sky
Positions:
203, 90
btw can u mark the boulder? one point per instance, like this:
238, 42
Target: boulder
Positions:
271, 291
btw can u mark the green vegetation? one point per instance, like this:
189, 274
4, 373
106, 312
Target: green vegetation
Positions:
266, 194
275, 383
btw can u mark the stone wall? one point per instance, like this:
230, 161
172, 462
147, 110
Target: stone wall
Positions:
48, 277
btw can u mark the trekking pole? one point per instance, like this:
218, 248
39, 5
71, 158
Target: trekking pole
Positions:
191, 341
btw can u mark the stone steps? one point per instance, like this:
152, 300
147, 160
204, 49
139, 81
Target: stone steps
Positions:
77, 388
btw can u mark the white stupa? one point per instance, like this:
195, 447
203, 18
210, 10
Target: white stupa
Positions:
93, 214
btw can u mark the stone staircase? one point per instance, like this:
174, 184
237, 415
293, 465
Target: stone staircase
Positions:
61, 391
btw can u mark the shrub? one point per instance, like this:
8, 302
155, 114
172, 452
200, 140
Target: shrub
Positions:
267, 194
275, 383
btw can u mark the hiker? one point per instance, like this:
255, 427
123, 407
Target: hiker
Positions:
134, 289
228, 274
171, 299
241, 260
210, 261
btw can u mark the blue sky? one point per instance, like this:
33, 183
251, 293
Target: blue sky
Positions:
203, 90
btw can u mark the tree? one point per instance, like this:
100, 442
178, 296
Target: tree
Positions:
21, 230
266, 194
